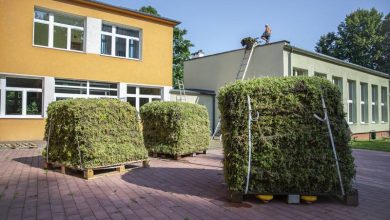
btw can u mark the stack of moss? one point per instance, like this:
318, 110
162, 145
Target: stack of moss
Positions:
175, 128
100, 132
291, 149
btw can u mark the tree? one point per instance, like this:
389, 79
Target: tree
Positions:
384, 64
359, 40
181, 48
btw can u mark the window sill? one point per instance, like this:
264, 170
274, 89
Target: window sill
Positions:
75, 51
124, 58
22, 117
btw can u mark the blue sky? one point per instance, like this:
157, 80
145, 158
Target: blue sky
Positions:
219, 25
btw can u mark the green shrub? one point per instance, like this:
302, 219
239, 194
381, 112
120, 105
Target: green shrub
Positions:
291, 149
107, 130
175, 128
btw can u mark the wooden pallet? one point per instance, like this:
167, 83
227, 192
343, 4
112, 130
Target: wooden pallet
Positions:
89, 173
176, 157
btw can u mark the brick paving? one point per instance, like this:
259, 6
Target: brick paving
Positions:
188, 189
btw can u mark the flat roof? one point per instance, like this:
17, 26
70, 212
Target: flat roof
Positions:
334, 60
308, 53
129, 11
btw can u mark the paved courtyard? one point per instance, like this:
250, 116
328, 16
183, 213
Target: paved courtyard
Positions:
189, 189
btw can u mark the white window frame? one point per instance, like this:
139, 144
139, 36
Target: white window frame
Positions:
87, 88
364, 104
374, 107
4, 89
351, 101
334, 78
138, 96
383, 106
114, 35
51, 24
296, 70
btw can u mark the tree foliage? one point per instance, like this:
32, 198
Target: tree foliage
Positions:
181, 47
361, 39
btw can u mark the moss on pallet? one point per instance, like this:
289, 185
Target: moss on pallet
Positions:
107, 131
175, 128
291, 149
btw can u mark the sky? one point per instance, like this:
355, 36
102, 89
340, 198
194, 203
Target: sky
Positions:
219, 25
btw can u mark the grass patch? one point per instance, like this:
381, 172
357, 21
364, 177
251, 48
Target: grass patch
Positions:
378, 145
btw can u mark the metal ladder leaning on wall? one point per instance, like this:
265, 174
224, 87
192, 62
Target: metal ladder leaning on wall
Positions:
240, 76
182, 92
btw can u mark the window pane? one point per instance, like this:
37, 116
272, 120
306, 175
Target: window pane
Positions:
339, 83
103, 85
321, 75
41, 15
120, 47
131, 100
127, 32
60, 37
131, 90
66, 82
23, 83
150, 91
34, 103
106, 44
143, 101
66, 19
13, 104
71, 90
77, 40
156, 99
41, 34
134, 49
107, 28
102, 92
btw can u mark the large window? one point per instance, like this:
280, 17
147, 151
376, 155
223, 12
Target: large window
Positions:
351, 102
120, 42
57, 30
321, 75
374, 104
364, 102
339, 83
300, 72
138, 96
384, 105
68, 89
20, 97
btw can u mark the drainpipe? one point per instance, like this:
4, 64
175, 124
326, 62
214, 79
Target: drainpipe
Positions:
289, 61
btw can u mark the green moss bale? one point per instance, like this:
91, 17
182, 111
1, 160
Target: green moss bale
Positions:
107, 131
175, 128
291, 150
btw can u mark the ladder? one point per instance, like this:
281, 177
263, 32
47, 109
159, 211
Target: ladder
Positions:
246, 59
182, 92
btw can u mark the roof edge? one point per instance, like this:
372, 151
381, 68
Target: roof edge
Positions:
335, 61
229, 51
128, 11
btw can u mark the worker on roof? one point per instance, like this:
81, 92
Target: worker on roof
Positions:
267, 34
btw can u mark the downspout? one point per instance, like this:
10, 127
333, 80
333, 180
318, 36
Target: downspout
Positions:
289, 61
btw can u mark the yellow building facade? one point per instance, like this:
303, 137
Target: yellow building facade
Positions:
52, 50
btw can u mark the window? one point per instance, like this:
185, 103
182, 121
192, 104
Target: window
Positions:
339, 83
374, 104
120, 42
384, 105
139, 96
364, 102
21, 97
299, 72
65, 89
57, 30
351, 102
321, 75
